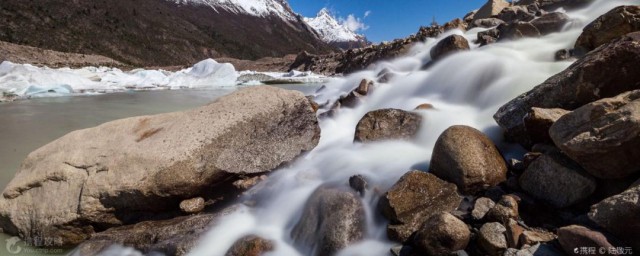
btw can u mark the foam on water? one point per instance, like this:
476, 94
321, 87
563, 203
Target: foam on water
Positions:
466, 88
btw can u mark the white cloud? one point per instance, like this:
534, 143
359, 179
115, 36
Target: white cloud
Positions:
367, 13
353, 23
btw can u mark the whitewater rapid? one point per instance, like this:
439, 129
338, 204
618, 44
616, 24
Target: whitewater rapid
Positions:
466, 88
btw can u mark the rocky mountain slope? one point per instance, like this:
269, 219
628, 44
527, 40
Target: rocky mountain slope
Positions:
334, 33
160, 32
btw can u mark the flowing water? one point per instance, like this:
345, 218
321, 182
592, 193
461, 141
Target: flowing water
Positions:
466, 88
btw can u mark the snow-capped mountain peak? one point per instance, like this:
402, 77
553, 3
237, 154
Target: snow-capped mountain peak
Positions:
330, 30
260, 8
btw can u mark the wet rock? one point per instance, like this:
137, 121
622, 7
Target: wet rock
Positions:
172, 237
538, 121
250, 245
611, 25
487, 23
449, 45
134, 169
442, 234
603, 136
481, 207
505, 209
388, 124
413, 199
575, 236
532, 237
517, 30
557, 181
331, 220
488, 36
550, 22
563, 54
490, 9
314, 105
619, 215
193, 205
516, 13
358, 183
491, 238
364, 87
468, 158
588, 79
424, 106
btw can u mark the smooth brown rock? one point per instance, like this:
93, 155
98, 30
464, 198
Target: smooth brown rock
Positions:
550, 22
364, 87
388, 124
413, 199
449, 45
538, 121
332, 219
250, 245
557, 181
518, 30
574, 236
491, 238
611, 25
505, 209
532, 237
516, 13
134, 169
442, 234
468, 158
424, 106
619, 215
487, 23
481, 207
600, 74
193, 205
603, 136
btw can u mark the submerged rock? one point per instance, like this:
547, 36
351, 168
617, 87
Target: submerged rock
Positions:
599, 74
448, 46
250, 245
413, 199
611, 25
468, 158
388, 124
134, 169
331, 220
603, 136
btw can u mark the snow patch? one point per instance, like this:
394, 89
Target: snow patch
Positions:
330, 30
260, 8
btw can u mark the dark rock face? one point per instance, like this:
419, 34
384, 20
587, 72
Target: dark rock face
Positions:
488, 36
585, 81
487, 23
442, 234
250, 245
358, 183
388, 124
189, 32
130, 170
413, 199
331, 220
468, 158
575, 236
172, 237
550, 22
516, 13
448, 46
603, 136
538, 121
557, 181
613, 24
517, 30
619, 215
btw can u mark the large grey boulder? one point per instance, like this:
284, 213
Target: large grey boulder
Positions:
617, 22
619, 215
603, 136
332, 219
557, 180
468, 158
138, 168
604, 72
388, 124
413, 199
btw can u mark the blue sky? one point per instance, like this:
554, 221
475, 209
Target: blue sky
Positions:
389, 19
